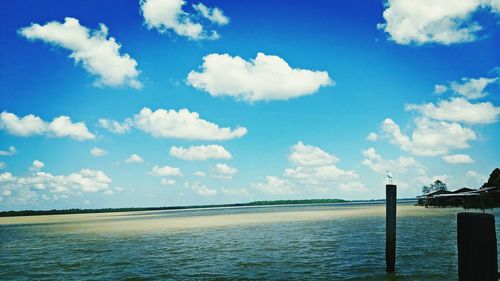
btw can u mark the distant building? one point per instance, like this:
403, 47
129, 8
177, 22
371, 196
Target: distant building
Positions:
485, 197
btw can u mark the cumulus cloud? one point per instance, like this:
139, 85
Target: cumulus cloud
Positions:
37, 165
308, 155
429, 137
458, 110
429, 21
165, 181
97, 152
214, 15
199, 174
165, 15
182, 124
243, 192
378, 164
372, 137
439, 89
274, 186
313, 171
31, 125
353, 186
7, 177
115, 126
264, 78
472, 88
32, 187
134, 159
166, 171
63, 127
92, 49
224, 171
314, 166
201, 152
9, 152
201, 189
458, 159
475, 178
407, 172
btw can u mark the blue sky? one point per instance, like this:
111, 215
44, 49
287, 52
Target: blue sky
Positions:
234, 101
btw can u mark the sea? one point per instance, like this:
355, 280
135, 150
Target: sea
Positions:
304, 242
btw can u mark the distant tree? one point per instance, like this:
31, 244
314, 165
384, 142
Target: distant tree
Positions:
494, 179
425, 189
436, 186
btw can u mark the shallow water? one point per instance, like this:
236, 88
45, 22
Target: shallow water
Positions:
301, 242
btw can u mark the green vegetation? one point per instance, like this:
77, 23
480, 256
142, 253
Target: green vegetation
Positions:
494, 179
436, 186
109, 210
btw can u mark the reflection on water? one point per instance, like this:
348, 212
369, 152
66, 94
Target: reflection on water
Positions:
302, 242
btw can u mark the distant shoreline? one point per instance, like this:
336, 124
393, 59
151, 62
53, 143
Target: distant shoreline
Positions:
136, 209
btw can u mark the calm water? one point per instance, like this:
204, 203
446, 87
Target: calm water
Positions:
301, 242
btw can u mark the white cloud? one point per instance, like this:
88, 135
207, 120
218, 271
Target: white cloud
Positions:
7, 177
429, 138
472, 88
37, 165
166, 171
225, 172
274, 186
458, 110
430, 21
165, 181
27, 189
458, 159
201, 189
25, 126
475, 179
6, 193
313, 172
319, 174
225, 169
9, 152
2, 165
166, 15
199, 174
134, 159
353, 186
98, 54
202, 152
308, 155
115, 126
372, 137
406, 171
214, 15
63, 127
378, 164
97, 152
182, 124
314, 166
118, 188
30, 125
439, 89
262, 79
235, 191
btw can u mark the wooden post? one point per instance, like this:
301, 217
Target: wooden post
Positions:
390, 227
477, 247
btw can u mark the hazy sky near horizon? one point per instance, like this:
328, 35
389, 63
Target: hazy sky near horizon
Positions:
172, 102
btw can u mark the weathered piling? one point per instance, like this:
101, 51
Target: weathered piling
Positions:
477, 247
390, 227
